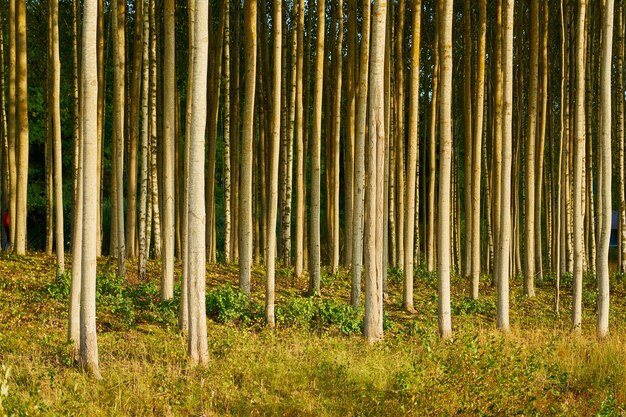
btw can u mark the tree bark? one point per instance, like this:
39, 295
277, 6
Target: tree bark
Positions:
22, 127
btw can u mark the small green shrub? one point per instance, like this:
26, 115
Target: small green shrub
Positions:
467, 306
395, 275
227, 304
318, 314
59, 288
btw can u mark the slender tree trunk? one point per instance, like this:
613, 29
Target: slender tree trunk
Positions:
197, 339
12, 115
156, 216
169, 106
413, 145
227, 139
619, 104
245, 185
373, 233
335, 154
143, 181
300, 161
467, 134
55, 78
579, 158
503, 252
88, 338
77, 211
445, 123
270, 257
119, 65
359, 159
432, 215
602, 262
477, 147
22, 127
351, 92
316, 143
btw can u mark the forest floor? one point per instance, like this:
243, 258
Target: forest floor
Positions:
315, 362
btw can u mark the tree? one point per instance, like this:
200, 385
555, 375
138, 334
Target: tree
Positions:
119, 64
375, 149
143, 181
12, 112
245, 185
445, 119
196, 216
504, 240
169, 107
89, 91
55, 66
316, 146
413, 142
579, 156
359, 159
300, 128
602, 262
22, 127
529, 221
270, 257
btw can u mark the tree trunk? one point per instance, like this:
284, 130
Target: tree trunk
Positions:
504, 240
169, 107
143, 181
12, 115
227, 139
432, 159
316, 143
88, 338
413, 145
375, 149
445, 124
467, 134
602, 262
119, 95
22, 126
359, 159
270, 257
245, 185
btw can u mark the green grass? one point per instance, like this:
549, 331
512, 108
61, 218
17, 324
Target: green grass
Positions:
315, 362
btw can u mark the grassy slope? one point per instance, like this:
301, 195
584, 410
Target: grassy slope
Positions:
302, 369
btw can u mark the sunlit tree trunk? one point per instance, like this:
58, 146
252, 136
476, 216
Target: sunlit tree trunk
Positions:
375, 149
227, 140
619, 104
154, 183
477, 147
270, 258
22, 127
359, 158
579, 157
196, 216
119, 95
77, 211
245, 185
432, 157
169, 106
143, 181
12, 122
445, 124
602, 262
467, 135
88, 338
413, 145
335, 154
316, 143
55, 78
504, 240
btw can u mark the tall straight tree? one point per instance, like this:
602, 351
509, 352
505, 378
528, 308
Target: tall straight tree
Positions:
22, 127
143, 181
316, 150
89, 91
55, 78
445, 124
196, 216
245, 178
351, 87
119, 95
375, 168
531, 126
602, 262
270, 257
12, 112
300, 129
169, 107
579, 160
359, 158
413, 144
337, 137
73, 335
477, 146
502, 261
